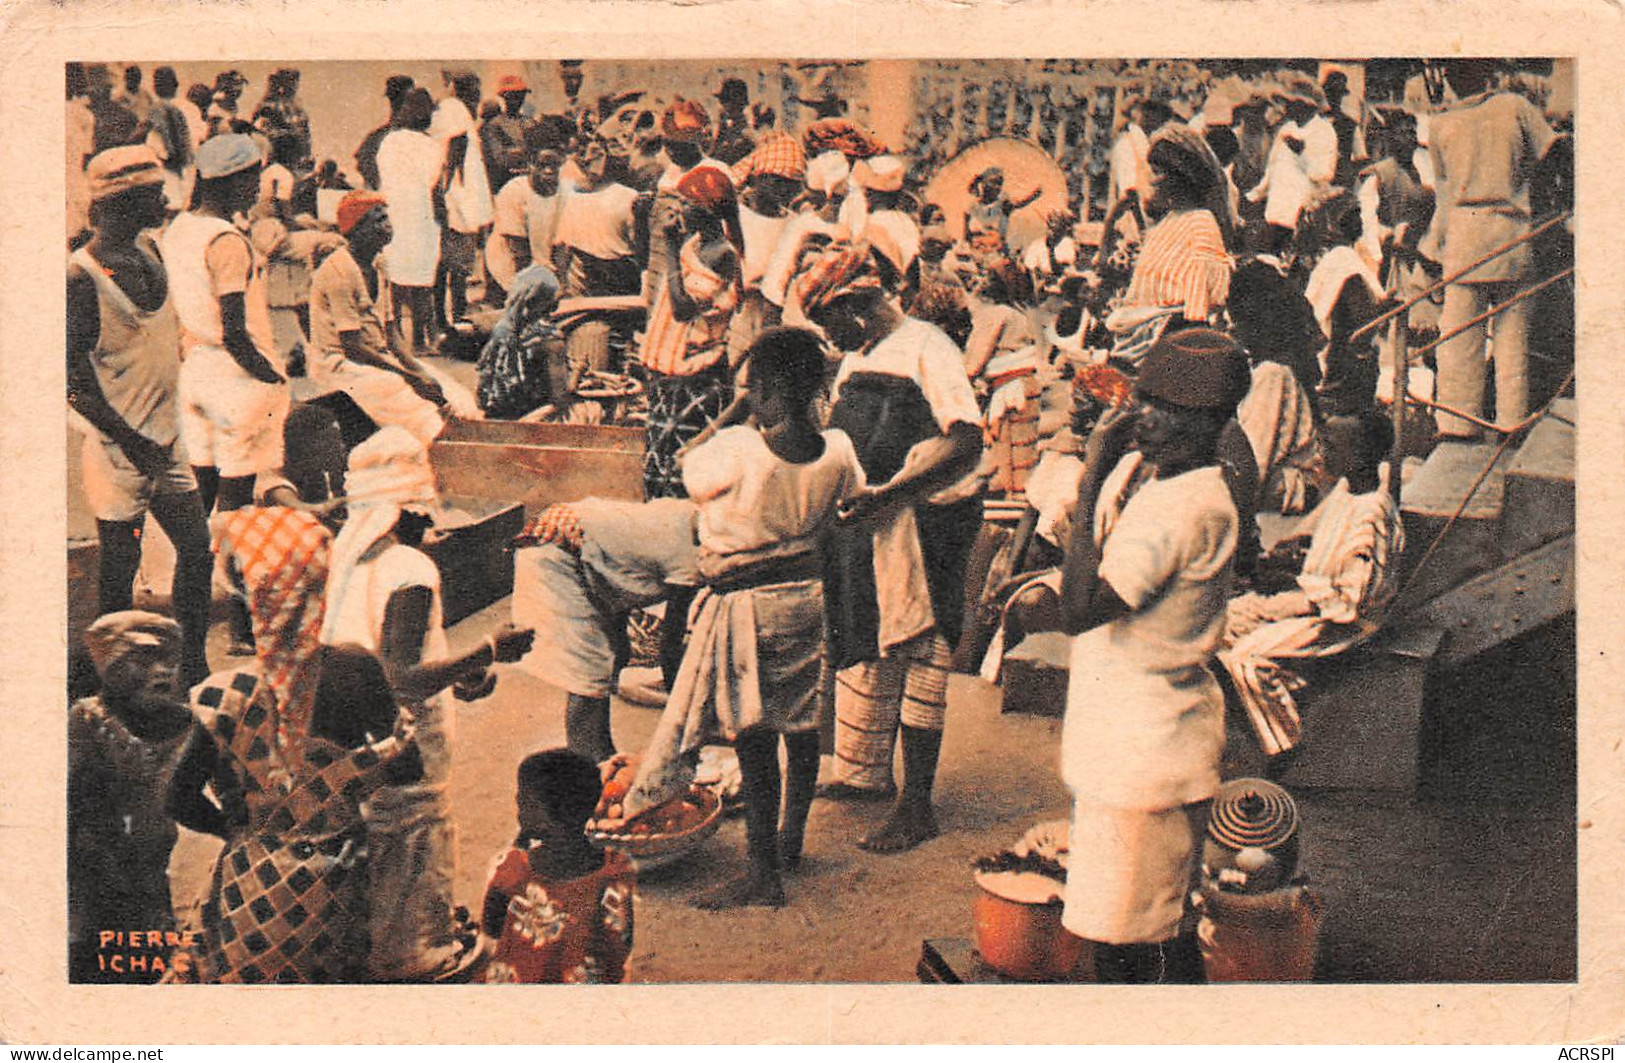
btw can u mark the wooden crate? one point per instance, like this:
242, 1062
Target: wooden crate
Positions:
476, 560
536, 465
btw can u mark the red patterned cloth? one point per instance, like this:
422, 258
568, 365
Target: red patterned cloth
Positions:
1106, 384
281, 556
569, 930
708, 187
357, 205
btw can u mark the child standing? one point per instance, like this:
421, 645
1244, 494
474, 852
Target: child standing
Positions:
558, 909
753, 666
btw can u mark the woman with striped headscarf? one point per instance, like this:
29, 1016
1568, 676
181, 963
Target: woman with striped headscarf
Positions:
902, 396
1182, 275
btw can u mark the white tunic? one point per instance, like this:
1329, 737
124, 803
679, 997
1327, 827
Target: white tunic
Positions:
408, 167
923, 353
1144, 725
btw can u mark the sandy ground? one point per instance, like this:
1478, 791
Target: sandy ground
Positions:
1472, 880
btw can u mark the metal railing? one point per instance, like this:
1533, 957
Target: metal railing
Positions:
1399, 344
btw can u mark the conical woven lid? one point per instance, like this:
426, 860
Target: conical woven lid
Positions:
1253, 813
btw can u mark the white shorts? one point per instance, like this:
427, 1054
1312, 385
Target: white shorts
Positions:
228, 419
551, 594
1129, 871
118, 491
385, 397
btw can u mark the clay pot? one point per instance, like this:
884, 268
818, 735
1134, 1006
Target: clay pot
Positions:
1023, 939
1270, 937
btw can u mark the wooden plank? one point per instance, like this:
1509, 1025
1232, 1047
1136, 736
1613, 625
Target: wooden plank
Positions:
530, 434
536, 476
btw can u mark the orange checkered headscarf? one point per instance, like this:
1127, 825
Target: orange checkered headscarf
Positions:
779, 154
281, 556
840, 269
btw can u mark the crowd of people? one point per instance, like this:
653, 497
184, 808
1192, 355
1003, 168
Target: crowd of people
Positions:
882, 445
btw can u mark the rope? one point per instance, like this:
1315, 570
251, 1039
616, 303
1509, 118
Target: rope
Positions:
1371, 326
1511, 434
1492, 311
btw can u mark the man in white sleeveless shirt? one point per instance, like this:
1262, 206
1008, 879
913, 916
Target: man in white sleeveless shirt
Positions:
123, 369
234, 397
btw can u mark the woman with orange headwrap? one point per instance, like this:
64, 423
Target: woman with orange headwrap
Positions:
687, 335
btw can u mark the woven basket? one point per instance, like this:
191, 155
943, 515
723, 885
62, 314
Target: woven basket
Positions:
656, 850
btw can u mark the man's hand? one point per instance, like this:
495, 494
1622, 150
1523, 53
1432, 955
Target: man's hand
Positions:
1109, 439
474, 687
512, 643
867, 506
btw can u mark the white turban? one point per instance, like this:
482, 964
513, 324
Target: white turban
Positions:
883, 173
828, 172
389, 472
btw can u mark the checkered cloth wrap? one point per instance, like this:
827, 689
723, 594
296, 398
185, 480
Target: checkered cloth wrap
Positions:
281, 556
287, 902
778, 153
557, 523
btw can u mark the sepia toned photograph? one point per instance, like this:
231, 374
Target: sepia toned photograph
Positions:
758, 521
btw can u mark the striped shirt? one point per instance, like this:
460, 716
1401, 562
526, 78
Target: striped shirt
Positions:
1182, 265
684, 348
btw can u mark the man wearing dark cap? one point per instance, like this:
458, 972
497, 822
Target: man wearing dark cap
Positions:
1335, 86
1144, 589
504, 135
366, 156
733, 140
